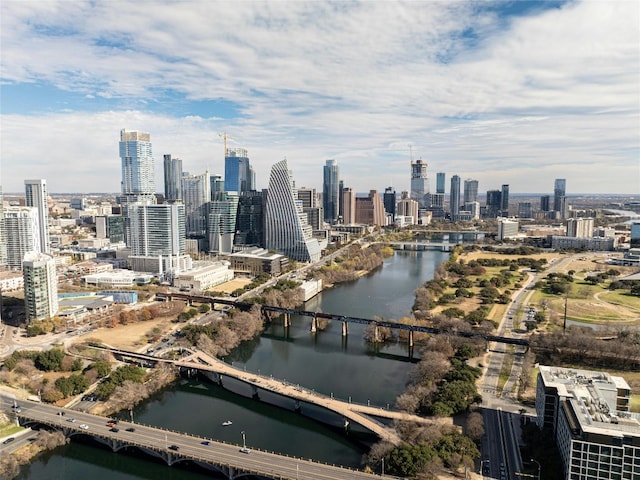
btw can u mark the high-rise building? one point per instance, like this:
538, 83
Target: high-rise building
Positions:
40, 286
525, 210
507, 228
340, 208
308, 198
223, 210
172, 179
544, 203
470, 191
22, 226
216, 184
504, 200
3, 234
389, 200
580, 227
37, 196
286, 227
349, 206
454, 197
111, 227
195, 196
419, 182
238, 174
157, 229
370, 210
250, 219
408, 208
138, 175
440, 182
331, 192
559, 196
494, 203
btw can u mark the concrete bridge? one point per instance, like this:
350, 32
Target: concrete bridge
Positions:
174, 447
364, 415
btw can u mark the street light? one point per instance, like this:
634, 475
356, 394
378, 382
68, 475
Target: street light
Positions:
382, 474
539, 467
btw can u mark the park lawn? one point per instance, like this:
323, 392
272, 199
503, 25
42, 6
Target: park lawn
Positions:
622, 298
9, 429
635, 403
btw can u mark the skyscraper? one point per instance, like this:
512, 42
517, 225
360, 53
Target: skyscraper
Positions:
286, 227
470, 191
494, 203
370, 210
37, 196
172, 179
195, 196
3, 234
40, 286
504, 200
238, 174
138, 181
419, 182
559, 196
330, 192
22, 225
389, 200
216, 184
250, 219
440, 179
349, 206
454, 197
157, 229
544, 203
221, 228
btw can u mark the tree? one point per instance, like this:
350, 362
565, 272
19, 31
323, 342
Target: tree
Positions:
475, 426
102, 368
51, 360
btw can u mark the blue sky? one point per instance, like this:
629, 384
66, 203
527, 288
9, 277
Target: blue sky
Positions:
510, 92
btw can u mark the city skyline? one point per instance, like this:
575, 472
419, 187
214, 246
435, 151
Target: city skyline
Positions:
517, 93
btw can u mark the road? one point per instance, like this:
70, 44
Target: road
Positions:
160, 442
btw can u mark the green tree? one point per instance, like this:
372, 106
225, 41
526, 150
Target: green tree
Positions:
102, 367
50, 360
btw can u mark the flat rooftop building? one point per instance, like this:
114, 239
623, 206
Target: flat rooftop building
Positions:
588, 413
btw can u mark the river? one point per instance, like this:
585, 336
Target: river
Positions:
347, 368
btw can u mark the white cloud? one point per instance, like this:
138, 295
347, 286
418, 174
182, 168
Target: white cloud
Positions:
549, 95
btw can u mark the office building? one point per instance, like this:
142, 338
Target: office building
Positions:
255, 261
507, 229
419, 182
440, 182
79, 203
470, 191
138, 174
525, 210
250, 219
37, 197
307, 197
286, 227
635, 234
370, 210
40, 286
221, 227
3, 233
408, 208
157, 229
349, 206
331, 192
22, 229
504, 200
111, 227
172, 179
216, 184
238, 174
587, 412
580, 227
494, 203
559, 196
454, 197
203, 276
389, 201
195, 197
545, 203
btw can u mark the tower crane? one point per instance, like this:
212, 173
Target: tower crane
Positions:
224, 136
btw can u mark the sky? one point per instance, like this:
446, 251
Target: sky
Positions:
507, 92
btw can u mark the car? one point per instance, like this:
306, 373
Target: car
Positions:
8, 440
114, 429
174, 447
245, 450
71, 420
205, 442
84, 426
61, 414
131, 429
18, 410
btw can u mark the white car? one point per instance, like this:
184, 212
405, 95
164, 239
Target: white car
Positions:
84, 426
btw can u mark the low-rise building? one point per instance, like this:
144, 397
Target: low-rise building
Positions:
204, 275
117, 278
255, 261
588, 413
11, 280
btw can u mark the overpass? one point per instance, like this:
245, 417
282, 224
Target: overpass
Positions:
174, 447
287, 312
350, 412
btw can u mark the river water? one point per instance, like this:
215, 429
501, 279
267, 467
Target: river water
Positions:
347, 368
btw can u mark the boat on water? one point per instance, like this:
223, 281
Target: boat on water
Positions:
227, 423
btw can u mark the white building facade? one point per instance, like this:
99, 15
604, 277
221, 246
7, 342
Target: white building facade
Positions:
40, 286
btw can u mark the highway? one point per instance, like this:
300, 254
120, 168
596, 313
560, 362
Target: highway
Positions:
162, 443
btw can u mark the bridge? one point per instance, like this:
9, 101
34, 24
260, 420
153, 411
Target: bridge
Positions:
216, 369
421, 245
287, 312
175, 447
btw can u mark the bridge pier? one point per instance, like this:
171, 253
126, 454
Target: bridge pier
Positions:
286, 318
376, 334
254, 393
410, 339
345, 329
297, 407
314, 324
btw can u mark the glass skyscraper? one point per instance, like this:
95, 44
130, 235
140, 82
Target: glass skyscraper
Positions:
286, 228
331, 192
36, 193
470, 191
172, 179
238, 174
157, 229
137, 165
454, 197
419, 182
221, 226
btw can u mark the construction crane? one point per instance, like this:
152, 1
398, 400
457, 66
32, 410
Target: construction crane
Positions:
224, 136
